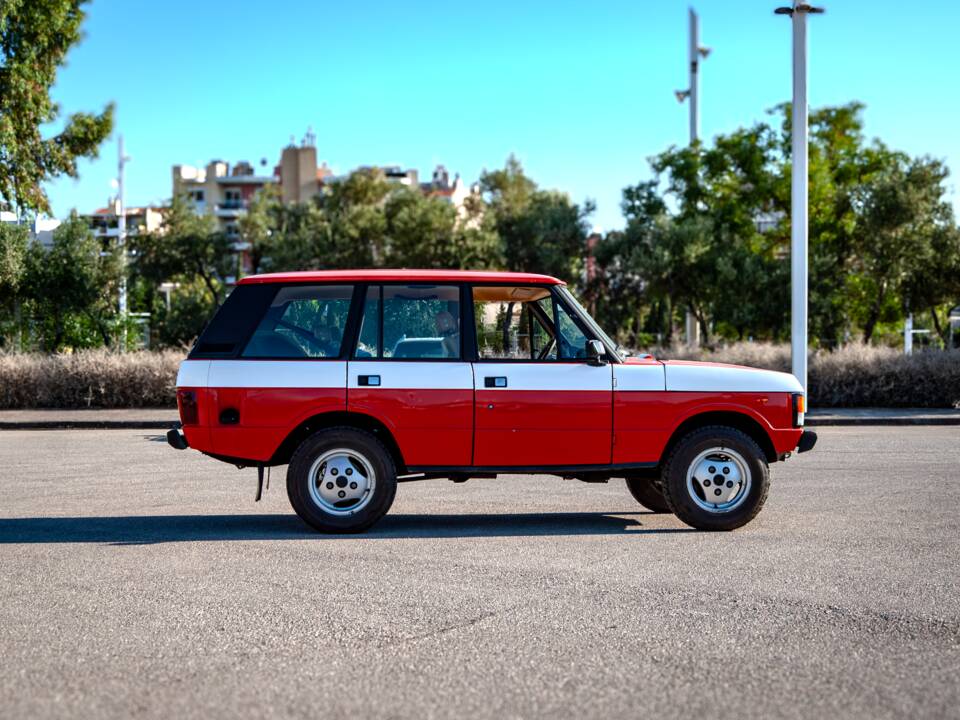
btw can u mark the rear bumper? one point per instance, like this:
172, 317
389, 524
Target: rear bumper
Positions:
807, 440
176, 439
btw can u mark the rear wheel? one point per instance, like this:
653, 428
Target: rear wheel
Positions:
341, 480
646, 491
716, 479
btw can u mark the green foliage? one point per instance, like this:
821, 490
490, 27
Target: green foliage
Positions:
35, 36
191, 306
186, 246
70, 289
541, 231
711, 234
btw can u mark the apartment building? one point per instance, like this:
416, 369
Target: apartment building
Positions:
105, 221
221, 190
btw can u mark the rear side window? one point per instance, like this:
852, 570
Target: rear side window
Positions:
234, 321
303, 321
410, 322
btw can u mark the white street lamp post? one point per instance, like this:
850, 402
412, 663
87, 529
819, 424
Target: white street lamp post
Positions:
692, 330
122, 242
799, 194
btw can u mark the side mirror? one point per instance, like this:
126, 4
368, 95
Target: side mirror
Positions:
595, 353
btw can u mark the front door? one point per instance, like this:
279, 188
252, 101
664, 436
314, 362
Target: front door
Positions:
538, 402
407, 372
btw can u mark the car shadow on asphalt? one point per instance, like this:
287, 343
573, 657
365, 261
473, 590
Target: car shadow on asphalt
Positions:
151, 529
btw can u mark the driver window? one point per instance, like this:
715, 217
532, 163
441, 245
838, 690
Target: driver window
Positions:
514, 323
304, 321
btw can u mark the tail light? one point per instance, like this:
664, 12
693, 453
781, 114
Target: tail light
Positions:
187, 403
799, 409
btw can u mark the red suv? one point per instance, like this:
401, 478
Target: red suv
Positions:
360, 379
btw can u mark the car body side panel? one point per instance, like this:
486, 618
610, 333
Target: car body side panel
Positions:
548, 414
644, 421
272, 398
427, 406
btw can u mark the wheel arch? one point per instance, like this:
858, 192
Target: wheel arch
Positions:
728, 418
338, 418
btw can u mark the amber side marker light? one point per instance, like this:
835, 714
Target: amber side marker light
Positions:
187, 403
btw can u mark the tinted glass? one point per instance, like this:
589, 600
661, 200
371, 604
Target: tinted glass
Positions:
306, 321
234, 321
368, 342
420, 322
573, 342
514, 323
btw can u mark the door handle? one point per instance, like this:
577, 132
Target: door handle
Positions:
495, 382
368, 380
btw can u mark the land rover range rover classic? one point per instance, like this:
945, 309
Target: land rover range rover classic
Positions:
358, 379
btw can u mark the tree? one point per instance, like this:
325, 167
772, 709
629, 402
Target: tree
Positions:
71, 288
187, 245
35, 36
427, 232
901, 214
711, 233
13, 254
541, 231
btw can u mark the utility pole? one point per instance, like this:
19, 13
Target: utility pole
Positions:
799, 194
122, 242
692, 330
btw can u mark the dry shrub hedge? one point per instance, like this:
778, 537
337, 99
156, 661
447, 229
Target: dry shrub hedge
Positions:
854, 376
89, 379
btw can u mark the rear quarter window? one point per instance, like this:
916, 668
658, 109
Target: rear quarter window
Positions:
234, 322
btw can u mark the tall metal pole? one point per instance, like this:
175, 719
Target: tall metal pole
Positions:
798, 202
692, 329
799, 194
694, 77
122, 243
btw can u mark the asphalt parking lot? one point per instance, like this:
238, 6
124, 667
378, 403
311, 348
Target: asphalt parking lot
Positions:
138, 580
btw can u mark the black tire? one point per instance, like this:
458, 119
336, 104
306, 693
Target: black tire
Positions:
357, 442
678, 494
646, 491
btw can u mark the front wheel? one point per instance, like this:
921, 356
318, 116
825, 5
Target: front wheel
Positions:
341, 480
716, 479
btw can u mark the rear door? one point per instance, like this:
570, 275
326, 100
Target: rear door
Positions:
538, 403
407, 371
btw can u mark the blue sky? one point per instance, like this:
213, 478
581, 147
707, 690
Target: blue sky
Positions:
581, 92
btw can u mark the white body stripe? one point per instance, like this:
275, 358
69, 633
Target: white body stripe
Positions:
193, 373
412, 375
546, 376
277, 374
639, 377
728, 378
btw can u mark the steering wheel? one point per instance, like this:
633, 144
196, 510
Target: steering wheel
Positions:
311, 339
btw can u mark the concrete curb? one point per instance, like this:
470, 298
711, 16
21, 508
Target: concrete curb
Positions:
826, 420
893, 420
88, 425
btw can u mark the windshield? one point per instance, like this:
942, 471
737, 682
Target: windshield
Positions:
604, 338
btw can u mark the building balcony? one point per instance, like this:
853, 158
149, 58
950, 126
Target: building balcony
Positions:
229, 208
